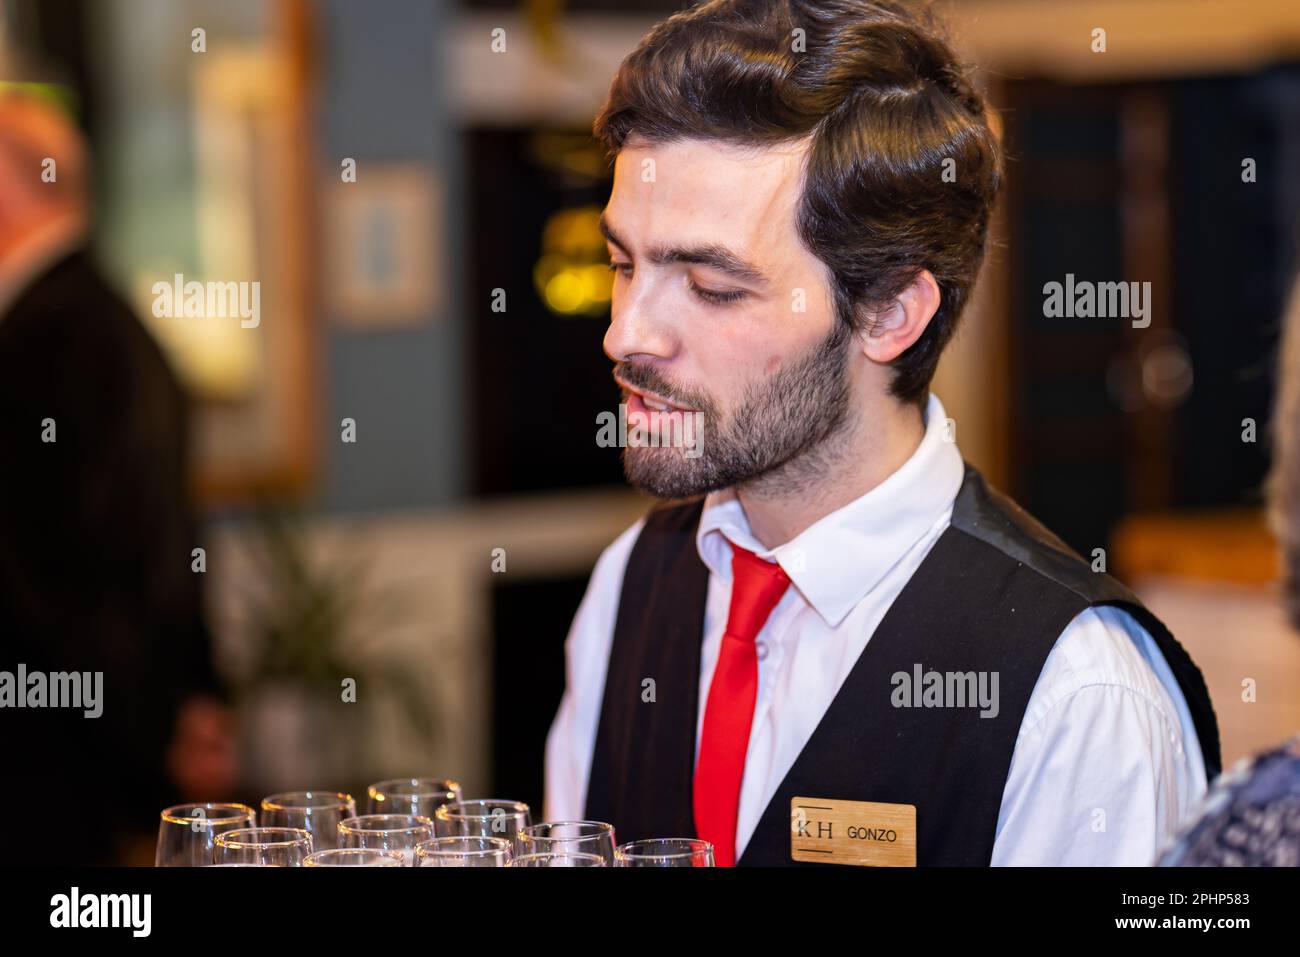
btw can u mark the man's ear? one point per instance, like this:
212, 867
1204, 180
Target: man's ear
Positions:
892, 330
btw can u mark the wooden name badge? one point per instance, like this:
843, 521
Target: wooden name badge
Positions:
853, 832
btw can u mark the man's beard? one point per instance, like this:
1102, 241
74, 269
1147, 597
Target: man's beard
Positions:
781, 421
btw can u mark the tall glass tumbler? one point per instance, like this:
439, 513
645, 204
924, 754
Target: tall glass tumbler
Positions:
488, 817
263, 846
316, 812
666, 852
386, 832
417, 796
187, 833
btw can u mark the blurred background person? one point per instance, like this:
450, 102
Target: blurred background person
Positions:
96, 528
1251, 815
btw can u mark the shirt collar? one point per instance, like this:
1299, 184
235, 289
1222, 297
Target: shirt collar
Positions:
838, 559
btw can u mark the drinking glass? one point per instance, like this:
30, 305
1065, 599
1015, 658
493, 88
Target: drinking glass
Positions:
488, 817
386, 832
665, 852
267, 846
547, 859
417, 796
463, 852
355, 857
569, 837
187, 831
316, 812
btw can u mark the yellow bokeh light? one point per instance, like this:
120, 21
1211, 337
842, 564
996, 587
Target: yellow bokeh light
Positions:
572, 274
565, 292
598, 283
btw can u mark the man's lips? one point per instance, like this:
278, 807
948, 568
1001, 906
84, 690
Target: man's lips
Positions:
640, 400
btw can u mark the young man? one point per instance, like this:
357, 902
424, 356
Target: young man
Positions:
841, 611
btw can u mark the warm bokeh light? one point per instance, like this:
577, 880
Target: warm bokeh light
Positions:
572, 275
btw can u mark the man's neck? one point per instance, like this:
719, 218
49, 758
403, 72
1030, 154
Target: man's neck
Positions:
845, 467
25, 255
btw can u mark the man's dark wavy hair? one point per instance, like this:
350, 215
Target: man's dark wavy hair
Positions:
884, 102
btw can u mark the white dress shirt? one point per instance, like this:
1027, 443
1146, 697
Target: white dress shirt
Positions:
1107, 760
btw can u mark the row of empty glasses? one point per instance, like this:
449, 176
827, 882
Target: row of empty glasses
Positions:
419, 822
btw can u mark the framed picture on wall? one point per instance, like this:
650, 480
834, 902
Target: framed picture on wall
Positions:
209, 228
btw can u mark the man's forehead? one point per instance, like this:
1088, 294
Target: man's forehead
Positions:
741, 195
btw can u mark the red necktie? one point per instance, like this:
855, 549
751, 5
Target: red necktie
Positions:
756, 587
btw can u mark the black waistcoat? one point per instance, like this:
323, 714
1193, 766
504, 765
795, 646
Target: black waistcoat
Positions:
994, 593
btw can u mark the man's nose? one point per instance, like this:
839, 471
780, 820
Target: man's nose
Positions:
637, 328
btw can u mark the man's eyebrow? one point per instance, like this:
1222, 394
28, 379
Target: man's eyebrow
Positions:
608, 232
711, 255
